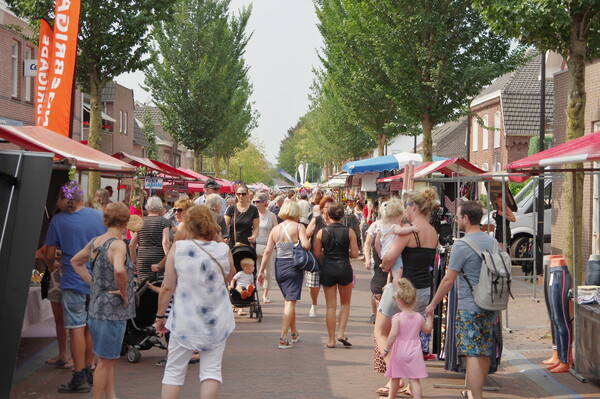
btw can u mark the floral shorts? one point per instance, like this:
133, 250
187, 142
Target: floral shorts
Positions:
474, 333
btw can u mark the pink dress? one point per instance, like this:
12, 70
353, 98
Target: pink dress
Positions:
406, 356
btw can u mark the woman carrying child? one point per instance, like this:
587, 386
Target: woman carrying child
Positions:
403, 345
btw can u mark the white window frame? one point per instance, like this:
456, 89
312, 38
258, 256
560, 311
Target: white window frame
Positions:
14, 90
497, 131
475, 134
485, 141
497, 166
120, 121
28, 79
125, 122
485, 167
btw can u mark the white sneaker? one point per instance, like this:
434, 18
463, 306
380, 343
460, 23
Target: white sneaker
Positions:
313, 311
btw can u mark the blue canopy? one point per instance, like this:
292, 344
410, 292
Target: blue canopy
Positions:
379, 164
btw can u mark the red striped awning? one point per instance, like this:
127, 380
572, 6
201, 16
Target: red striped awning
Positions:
156, 166
586, 148
37, 138
449, 167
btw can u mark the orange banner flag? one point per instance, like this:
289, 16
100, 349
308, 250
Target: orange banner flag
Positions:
56, 113
43, 69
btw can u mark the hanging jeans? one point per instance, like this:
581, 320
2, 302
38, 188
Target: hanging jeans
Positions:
558, 285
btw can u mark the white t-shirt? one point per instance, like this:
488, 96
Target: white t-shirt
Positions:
243, 279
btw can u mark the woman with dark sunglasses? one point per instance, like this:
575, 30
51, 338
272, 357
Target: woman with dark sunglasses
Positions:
242, 220
268, 220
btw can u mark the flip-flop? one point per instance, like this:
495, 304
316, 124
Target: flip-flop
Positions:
382, 391
330, 346
344, 341
465, 394
403, 391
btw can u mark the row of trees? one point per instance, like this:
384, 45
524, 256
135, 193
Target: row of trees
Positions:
193, 52
393, 67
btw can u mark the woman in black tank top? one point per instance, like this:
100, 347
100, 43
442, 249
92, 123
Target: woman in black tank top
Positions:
418, 254
335, 244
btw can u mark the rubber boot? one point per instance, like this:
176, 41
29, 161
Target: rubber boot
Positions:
554, 359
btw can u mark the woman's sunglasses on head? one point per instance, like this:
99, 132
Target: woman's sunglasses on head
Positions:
177, 210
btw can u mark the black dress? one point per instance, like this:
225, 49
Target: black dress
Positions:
500, 226
335, 265
244, 221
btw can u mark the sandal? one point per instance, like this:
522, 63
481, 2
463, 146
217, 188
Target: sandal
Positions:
382, 391
344, 341
330, 346
284, 344
465, 394
56, 361
295, 337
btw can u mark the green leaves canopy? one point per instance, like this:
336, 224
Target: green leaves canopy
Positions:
198, 77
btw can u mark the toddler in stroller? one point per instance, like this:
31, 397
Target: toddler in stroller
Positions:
140, 333
243, 281
242, 291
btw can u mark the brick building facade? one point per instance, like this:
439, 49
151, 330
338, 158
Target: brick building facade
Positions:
592, 124
507, 115
16, 91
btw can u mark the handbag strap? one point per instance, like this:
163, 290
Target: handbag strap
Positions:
214, 260
235, 212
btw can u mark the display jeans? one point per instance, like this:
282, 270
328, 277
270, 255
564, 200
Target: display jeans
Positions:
547, 300
559, 284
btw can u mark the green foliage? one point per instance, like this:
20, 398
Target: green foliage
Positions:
198, 77
150, 134
545, 24
397, 64
255, 167
514, 188
534, 144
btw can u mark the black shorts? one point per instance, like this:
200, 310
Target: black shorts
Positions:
335, 273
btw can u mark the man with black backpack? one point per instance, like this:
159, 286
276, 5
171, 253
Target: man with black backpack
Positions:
474, 325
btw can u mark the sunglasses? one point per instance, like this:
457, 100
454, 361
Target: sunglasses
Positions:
177, 210
242, 194
257, 202
409, 203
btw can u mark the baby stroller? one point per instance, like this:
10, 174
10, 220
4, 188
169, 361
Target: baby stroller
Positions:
251, 302
140, 333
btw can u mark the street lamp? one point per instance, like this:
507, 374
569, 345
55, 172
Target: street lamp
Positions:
241, 166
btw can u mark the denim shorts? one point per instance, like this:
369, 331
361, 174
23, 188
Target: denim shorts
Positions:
474, 333
75, 308
107, 336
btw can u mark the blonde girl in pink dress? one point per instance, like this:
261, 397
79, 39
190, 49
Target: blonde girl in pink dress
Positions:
403, 345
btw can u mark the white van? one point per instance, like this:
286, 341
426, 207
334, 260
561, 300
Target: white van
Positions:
522, 229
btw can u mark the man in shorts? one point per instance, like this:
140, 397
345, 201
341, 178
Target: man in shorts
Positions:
474, 326
71, 230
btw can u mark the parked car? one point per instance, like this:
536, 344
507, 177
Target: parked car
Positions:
522, 230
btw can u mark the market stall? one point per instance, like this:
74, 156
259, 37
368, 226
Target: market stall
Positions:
582, 150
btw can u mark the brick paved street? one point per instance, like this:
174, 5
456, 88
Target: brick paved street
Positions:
254, 368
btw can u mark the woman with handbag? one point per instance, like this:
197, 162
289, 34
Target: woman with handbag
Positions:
335, 244
283, 237
197, 273
268, 220
242, 220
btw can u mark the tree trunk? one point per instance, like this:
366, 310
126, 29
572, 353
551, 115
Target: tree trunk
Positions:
227, 167
197, 161
95, 132
380, 144
216, 165
426, 144
575, 129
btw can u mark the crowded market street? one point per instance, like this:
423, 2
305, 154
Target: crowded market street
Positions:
254, 368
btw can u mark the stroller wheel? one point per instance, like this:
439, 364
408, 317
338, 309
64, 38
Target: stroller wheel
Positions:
124, 349
133, 355
259, 314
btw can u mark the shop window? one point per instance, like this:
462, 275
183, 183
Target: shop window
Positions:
475, 135
497, 132
486, 133
28, 79
14, 83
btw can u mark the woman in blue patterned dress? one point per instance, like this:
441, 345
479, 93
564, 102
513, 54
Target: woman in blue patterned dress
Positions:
197, 273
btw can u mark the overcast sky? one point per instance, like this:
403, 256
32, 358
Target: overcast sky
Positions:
281, 56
